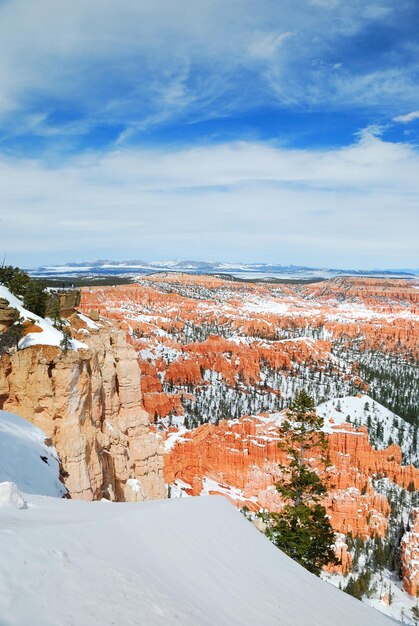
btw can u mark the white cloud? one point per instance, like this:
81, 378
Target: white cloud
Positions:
409, 117
241, 201
266, 45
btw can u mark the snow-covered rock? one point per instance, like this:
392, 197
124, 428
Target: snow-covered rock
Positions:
384, 426
26, 460
10, 496
48, 335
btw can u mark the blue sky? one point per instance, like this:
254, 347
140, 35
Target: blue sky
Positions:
269, 131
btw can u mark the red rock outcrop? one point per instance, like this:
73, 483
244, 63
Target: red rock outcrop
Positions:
162, 404
244, 455
183, 372
377, 314
8, 315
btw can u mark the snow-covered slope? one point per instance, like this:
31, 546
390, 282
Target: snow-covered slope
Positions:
26, 460
384, 426
48, 335
192, 562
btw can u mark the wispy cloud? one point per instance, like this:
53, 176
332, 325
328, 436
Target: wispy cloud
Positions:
356, 205
409, 117
149, 62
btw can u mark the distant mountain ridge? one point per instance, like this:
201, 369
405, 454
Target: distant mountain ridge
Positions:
261, 270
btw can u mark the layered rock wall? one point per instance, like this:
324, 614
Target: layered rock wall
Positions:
244, 455
89, 403
68, 300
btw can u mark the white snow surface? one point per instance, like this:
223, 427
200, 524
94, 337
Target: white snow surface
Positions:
10, 496
188, 561
21, 447
402, 603
49, 336
89, 322
337, 409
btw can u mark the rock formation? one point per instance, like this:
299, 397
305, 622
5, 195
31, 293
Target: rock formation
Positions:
410, 557
89, 403
258, 335
8, 315
240, 460
67, 299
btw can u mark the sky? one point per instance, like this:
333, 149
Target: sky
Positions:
234, 130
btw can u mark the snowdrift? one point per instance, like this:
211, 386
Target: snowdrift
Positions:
25, 459
190, 561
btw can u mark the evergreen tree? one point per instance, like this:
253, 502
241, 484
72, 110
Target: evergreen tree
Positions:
56, 313
35, 298
360, 586
16, 331
65, 341
302, 529
15, 279
33, 292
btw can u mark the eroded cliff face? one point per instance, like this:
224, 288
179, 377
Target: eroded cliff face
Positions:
239, 459
89, 402
410, 557
242, 457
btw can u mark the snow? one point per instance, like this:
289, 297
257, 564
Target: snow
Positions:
360, 408
134, 484
210, 485
49, 336
189, 561
381, 583
60, 269
174, 438
349, 405
89, 323
157, 350
26, 460
10, 496
178, 489
266, 306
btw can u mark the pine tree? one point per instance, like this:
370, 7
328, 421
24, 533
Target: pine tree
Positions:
16, 331
302, 529
35, 298
65, 341
56, 313
15, 279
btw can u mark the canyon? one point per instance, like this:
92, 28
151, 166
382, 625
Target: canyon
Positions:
176, 385
340, 336
221, 359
